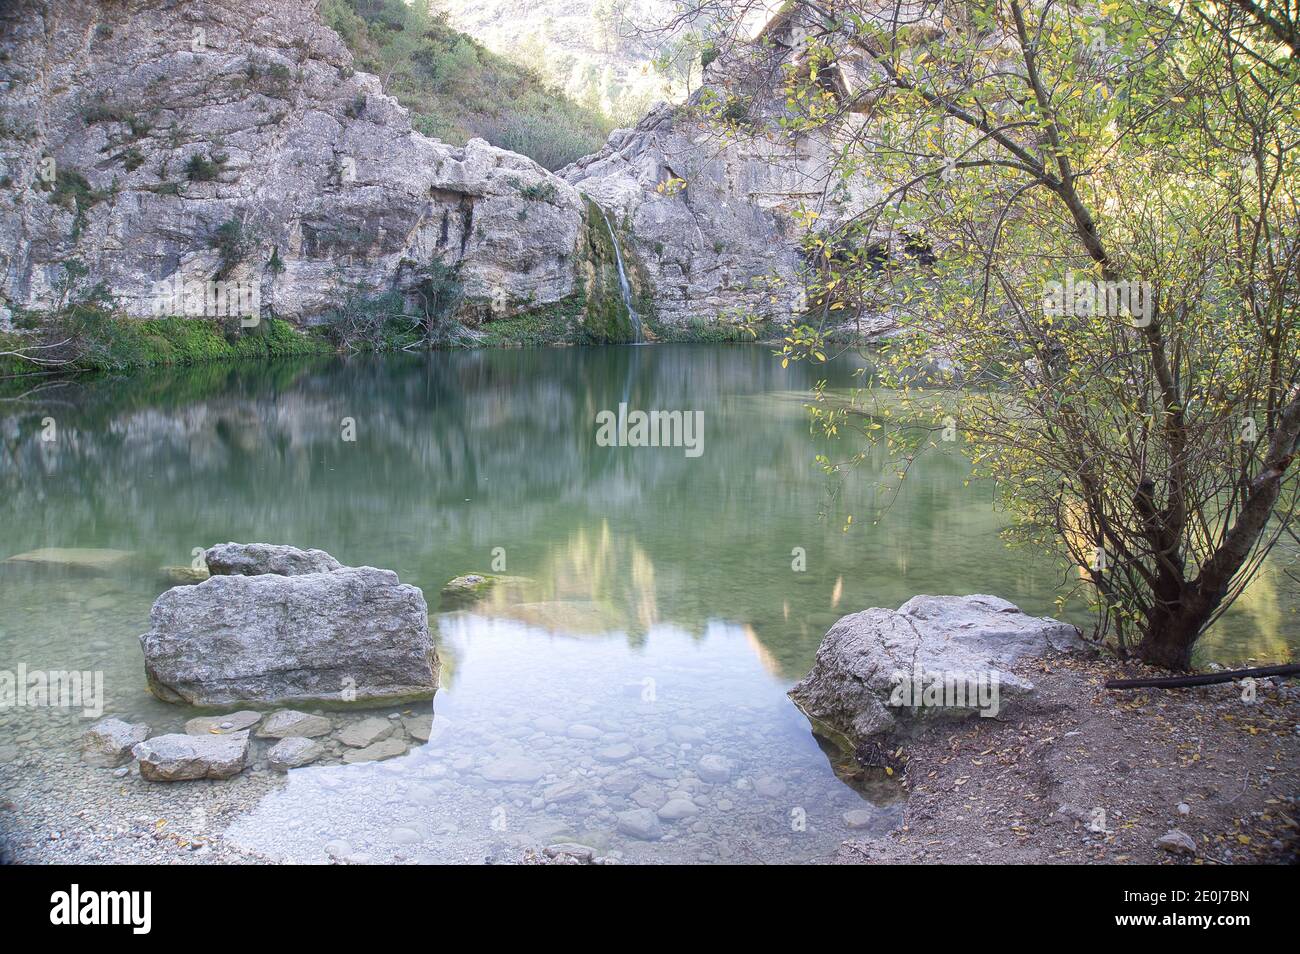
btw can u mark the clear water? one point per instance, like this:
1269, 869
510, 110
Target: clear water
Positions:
664, 623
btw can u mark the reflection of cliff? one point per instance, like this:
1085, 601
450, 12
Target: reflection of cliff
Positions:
458, 455
516, 424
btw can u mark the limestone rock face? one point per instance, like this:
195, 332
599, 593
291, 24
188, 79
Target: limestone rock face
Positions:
352, 635
721, 240
178, 758
872, 669
167, 121
252, 559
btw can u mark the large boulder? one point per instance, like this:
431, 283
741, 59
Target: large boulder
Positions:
351, 635
254, 559
885, 674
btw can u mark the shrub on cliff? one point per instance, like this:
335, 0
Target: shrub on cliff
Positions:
456, 89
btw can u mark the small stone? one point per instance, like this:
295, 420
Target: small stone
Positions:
677, 808
79, 559
515, 768
1177, 842
858, 819
223, 724
551, 725
571, 849
183, 575
419, 727
366, 732
407, 835
582, 731
1184, 808
286, 723
108, 743
686, 733
385, 749
714, 769
464, 591
769, 787
640, 823
564, 790
617, 753
649, 796
338, 850
176, 758
293, 752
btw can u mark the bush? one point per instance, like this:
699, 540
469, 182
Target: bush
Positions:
366, 321
235, 241
207, 168
85, 332
131, 158
543, 191
73, 192
552, 141
388, 321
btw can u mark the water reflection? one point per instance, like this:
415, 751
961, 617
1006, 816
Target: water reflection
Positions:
634, 564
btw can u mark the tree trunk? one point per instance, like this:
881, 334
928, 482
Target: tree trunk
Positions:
1173, 630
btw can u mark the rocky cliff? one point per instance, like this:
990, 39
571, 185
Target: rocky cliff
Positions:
163, 142
712, 193
157, 141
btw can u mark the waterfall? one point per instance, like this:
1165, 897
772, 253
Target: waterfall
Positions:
623, 286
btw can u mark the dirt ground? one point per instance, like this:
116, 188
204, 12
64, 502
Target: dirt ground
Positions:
1094, 776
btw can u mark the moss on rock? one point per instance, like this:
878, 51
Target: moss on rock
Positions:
465, 591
